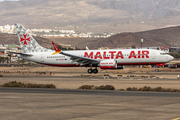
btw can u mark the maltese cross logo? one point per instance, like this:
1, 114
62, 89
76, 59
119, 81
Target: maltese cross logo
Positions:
24, 39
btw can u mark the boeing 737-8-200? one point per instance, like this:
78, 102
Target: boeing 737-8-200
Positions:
105, 59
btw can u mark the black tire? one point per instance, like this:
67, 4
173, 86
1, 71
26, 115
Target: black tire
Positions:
95, 71
90, 71
157, 70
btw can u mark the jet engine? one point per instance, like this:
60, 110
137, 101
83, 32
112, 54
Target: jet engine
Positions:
110, 64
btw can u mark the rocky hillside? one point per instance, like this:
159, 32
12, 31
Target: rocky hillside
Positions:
160, 37
164, 37
92, 15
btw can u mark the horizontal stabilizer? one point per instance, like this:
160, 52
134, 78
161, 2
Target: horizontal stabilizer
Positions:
21, 54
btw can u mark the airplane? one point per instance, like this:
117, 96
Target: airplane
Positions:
104, 59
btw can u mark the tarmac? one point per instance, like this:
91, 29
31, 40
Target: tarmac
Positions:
71, 104
67, 102
74, 82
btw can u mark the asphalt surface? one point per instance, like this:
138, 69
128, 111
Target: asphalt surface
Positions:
73, 104
89, 92
98, 77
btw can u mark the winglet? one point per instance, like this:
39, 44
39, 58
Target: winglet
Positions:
55, 48
87, 48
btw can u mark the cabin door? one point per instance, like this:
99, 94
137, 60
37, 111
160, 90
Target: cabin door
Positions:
42, 58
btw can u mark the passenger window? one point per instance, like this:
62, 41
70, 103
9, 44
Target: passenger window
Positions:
163, 53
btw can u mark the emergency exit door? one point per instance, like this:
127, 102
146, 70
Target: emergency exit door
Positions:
153, 54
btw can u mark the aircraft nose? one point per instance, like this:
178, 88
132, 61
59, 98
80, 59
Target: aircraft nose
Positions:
171, 57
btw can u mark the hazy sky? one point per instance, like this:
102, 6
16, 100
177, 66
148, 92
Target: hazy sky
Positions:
8, 0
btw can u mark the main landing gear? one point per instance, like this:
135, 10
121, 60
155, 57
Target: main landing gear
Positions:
92, 71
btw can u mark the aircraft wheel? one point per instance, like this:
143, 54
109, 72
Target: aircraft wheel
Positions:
90, 71
157, 70
95, 71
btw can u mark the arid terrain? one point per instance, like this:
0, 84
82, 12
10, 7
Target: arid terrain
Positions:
165, 37
68, 102
92, 15
72, 78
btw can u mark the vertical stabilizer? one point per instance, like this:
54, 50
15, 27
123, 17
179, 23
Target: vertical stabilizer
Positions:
27, 42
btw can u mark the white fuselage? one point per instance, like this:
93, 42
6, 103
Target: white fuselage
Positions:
123, 57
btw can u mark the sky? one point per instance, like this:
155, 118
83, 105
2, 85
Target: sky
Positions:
8, 0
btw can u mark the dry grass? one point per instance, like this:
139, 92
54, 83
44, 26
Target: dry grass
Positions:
28, 85
102, 87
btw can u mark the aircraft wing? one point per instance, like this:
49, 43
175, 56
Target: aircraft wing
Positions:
20, 54
81, 60
75, 58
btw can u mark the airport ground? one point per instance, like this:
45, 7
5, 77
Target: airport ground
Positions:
74, 77
69, 103
63, 104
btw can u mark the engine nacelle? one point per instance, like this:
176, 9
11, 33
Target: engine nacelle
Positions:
110, 64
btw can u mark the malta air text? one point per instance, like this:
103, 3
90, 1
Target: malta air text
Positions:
117, 54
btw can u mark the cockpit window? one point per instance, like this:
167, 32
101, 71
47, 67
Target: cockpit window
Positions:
163, 54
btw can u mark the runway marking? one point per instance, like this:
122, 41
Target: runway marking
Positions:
176, 118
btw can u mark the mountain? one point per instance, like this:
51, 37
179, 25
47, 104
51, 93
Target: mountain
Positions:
164, 37
92, 15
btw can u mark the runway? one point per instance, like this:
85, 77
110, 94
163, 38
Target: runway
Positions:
73, 104
70, 103
89, 92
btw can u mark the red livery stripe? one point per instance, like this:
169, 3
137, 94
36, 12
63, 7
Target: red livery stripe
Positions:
107, 67
160, 64
145, 63
104, 67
